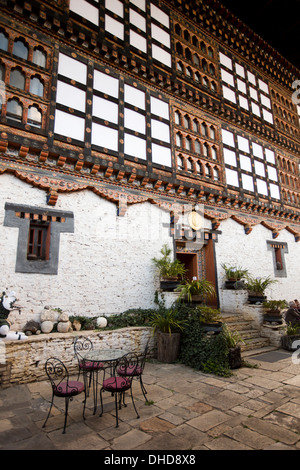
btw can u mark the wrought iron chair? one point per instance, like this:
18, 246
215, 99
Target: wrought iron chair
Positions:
81, 347
62, 386
137, 372
117, 385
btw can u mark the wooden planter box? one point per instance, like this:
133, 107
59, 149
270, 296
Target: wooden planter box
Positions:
168, 346
235, 358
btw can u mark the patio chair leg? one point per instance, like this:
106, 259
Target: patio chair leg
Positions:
116, 403
49, 411
67, 399
134, 403
143, 388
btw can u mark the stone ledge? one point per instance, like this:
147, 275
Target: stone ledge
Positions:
25, 359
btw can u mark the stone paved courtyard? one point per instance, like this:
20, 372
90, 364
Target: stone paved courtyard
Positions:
256, 408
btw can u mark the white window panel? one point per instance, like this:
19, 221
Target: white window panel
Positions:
69, 125
240, 70
161, 155
160, 35
227, 77
232, 177
243, 102
162, 56
251, 78
267, 116
245, 163
243, 144
229, 94
138, 41
255, 109
159, 108
263, 86
139, 3
70, 96
265, 101
226, 61
253, 93
72, 68
134, 96
257, 150
107, 84
114, 27
229, 157
115, 6
104, 136
247, 182
272, 172
274, 190
270, 156
137, 20
228, 138
160, 130
259, 168
241, 86
134, 121
262, 187
159, 15
135, 146
105, 109
86, 10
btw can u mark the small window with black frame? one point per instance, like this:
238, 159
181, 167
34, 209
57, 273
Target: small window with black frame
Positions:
38, 241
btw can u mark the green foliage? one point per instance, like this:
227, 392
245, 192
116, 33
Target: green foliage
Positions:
131, 317
208, 353
292, 330
167, 267
232, 337
196, 287
167, 320
234, 272
87, 323
259, 284
275, 304
208, 314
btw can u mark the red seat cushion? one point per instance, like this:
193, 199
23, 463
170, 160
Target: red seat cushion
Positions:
91, 365
116, 384
70, 388
130, 370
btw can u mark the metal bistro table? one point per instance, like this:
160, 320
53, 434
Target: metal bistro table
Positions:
105, 356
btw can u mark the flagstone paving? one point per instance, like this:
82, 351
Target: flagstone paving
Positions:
254, 409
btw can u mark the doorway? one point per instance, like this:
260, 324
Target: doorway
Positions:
190, 260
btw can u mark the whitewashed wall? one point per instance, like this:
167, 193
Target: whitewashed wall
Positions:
104, 266
250, 252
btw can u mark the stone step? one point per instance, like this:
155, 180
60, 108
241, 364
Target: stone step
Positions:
255, 343
255, 352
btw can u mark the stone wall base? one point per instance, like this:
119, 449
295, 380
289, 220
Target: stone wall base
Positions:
23, 361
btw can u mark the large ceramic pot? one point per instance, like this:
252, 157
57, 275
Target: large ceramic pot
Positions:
168, 346
169, 284
255, 297
214, 327
235, 358
288, 342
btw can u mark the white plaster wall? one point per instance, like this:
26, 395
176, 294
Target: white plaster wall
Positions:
104, 266
250, 251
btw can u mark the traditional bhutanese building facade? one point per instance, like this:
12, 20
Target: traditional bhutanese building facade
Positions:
119, 119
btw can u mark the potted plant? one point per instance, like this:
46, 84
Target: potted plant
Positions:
234, 276
256, 287
273, 310
167, 326
170, 271
196, 291
233, 341
291, 340
210, 319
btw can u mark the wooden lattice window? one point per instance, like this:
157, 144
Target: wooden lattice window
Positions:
38, 241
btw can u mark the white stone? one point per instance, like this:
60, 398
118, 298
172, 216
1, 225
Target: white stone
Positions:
101, 322
63, 326
47, 326
63, 317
